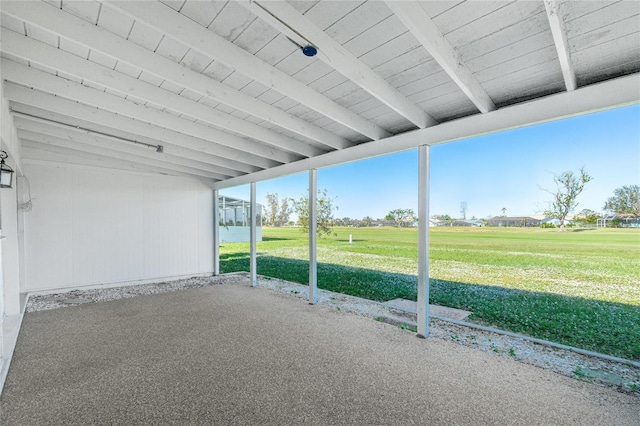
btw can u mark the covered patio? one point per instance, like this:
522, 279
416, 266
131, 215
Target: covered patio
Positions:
233, 354
123, 120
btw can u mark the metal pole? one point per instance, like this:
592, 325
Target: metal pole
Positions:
423, 241
313, 266
216, 232
253, 263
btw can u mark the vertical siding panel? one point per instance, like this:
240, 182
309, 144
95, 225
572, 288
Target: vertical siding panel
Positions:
90, 227
48, 227
106, 221
205, 230
171, 230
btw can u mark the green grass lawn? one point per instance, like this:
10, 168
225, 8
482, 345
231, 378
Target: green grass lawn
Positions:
580, 288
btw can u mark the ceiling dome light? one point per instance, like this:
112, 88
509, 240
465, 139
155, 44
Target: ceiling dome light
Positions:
310, 50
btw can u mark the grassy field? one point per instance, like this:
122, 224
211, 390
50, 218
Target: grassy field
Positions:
580, 288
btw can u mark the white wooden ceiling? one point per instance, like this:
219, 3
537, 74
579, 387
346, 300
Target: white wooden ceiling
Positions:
224, 87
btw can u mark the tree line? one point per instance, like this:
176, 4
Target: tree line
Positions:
625, 201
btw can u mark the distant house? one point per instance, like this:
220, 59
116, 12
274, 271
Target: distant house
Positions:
619, 221
550, 221
514, 221
555, 221
476, 223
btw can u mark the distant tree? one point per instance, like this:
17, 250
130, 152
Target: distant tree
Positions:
366, 221
443, 218
568, 186
285, 211
345, 221
625, 201
394, 216
401, 216
504, 211
277, 213
271, 210
588, 217
463, 210
324, 209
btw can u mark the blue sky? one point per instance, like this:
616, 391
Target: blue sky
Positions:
506, 169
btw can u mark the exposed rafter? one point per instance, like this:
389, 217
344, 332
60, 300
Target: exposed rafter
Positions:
27, 124
98, 39
559, 33
175, 25
120, 68
41, 80
122, 124
35, 152
108, 151
418, 22
293, 24
26, 117
44, 81
41, 53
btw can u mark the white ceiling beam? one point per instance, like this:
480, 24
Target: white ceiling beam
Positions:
134, 127
286, 19
610, 94
559, 33
39, 126
109, 152
224, 165
199, 38
41, 80
96, 38
38, 153
418, 22
41, 53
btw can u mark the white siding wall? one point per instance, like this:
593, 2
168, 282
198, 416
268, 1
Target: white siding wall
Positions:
93, 226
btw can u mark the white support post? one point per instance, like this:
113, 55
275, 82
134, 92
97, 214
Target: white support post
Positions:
423, 241
253, 263
313, 266
216, 232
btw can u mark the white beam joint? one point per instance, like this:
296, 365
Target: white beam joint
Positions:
423, 241
312, 222
200, 39
418, 22
292, 23
559, 33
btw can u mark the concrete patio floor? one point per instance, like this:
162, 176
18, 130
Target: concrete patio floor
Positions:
230, 354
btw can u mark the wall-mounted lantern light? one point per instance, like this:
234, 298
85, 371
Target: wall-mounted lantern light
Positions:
6, 172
